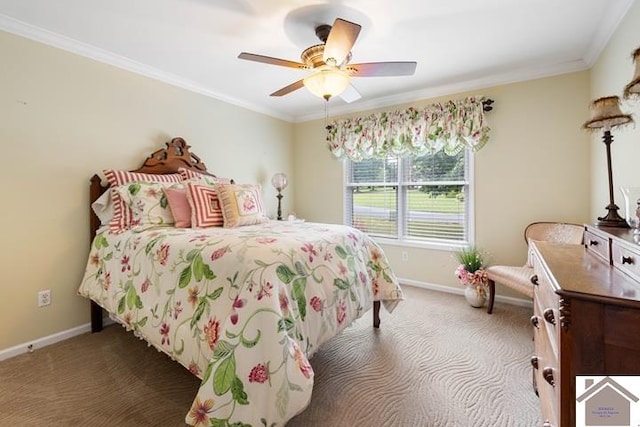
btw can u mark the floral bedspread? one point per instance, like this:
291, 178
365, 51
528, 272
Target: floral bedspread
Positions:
243, 309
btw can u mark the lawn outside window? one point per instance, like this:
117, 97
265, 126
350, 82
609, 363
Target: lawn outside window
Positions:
421, 201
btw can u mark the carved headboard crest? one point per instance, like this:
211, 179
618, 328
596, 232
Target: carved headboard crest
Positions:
176, 152
166, 160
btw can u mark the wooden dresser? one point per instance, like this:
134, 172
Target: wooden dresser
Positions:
586, 315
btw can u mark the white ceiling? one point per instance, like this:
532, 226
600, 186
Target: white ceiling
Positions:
459, 45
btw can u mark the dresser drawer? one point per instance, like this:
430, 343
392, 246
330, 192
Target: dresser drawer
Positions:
546, 306
546, 372
547, 393
598, 245
626, 259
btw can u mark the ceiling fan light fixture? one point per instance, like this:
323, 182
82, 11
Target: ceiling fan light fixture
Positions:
327, 82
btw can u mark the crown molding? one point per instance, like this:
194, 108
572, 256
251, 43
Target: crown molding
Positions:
68, 44
604, 32
515, 76
608, 26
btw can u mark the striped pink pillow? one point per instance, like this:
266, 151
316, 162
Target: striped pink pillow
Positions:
205, 205
122, 215
189, 174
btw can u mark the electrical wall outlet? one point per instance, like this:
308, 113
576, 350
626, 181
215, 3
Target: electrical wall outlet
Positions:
405, 256
44, 298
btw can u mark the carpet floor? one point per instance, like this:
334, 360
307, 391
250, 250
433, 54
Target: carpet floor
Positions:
434, 362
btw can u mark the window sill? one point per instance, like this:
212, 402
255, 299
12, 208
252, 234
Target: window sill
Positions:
438, 246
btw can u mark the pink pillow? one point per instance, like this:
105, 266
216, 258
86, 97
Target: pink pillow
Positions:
205, 205
179, 206
122, 215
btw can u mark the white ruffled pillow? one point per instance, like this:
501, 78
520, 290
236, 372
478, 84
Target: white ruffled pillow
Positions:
103, 207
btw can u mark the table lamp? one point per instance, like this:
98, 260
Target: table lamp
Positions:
606, 115
279, 182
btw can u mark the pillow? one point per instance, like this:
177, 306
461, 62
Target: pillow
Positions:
121, 213
148, 204
205, 205
103, 207
179, 205
241, 204
194, 176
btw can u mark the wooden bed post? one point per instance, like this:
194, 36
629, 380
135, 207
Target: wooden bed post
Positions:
95, 191
376, 314
96, 317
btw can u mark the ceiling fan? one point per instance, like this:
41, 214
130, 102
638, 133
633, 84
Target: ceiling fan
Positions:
329, 61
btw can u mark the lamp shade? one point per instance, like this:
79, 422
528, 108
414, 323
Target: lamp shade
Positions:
327, 82
279, 181
633, 88
606, 114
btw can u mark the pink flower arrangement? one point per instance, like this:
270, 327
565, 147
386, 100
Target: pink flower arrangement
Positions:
478, 278
471, 272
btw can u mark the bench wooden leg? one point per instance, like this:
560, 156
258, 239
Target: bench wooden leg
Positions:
376, 314
492, 295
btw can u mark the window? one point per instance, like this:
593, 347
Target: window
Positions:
418, 200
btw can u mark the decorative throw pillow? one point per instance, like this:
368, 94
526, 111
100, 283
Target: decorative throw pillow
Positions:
148, 203
121, 213
198, 177
179, 205
205, 205
241, 204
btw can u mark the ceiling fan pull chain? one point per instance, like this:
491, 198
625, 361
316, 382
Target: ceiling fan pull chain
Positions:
326, 113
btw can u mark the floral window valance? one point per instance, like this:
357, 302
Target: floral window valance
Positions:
449, 127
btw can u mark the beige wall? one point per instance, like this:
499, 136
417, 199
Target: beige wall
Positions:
535, 168
64, 118
611, 73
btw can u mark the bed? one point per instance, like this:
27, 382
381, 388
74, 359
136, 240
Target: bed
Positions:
243, 308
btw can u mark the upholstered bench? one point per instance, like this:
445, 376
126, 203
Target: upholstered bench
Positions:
518, 278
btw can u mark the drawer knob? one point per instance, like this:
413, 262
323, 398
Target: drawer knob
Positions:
534, 279
593, 242
547, 374
549, 316
535, 321
627, 260
534, 361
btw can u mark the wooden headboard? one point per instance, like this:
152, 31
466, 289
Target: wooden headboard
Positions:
175, 155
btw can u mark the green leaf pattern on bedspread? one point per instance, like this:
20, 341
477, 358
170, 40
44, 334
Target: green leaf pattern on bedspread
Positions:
243, 309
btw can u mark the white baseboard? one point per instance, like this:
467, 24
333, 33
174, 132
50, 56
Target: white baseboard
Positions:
31, 346
460, 291
44, 341
78, 330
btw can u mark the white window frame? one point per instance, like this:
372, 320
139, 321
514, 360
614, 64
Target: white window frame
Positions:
404, 241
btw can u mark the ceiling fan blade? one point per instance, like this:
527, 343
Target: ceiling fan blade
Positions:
341, 38
382, 69
350, 94
271, 60
288, 89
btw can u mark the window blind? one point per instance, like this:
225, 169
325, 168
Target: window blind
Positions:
421, 198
